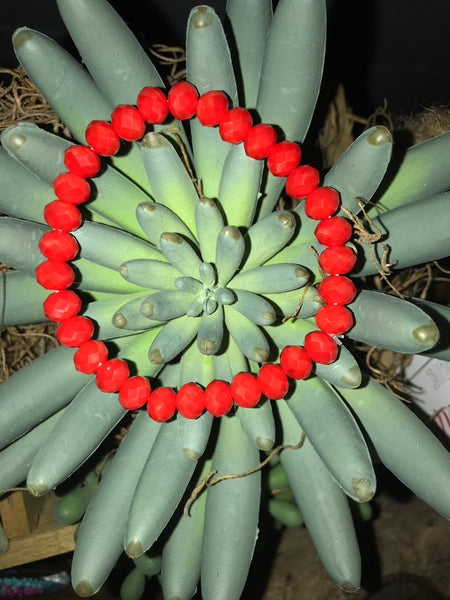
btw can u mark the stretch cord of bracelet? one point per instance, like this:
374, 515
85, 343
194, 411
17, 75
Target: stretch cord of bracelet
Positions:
59, 247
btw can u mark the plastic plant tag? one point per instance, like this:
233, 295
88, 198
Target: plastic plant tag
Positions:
429, 379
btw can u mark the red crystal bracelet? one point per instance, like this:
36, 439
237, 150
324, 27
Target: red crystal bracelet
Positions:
235, 126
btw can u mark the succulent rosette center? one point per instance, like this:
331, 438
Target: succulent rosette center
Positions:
211, 301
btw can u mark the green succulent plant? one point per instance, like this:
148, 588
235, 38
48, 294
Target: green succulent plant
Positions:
195, 287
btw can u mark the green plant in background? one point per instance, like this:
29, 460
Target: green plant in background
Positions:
54, 418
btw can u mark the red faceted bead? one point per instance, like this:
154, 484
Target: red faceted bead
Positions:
272, 381
190, 401
321, 347
82, 161
333, 231
161, 404
152, 104
321, 203
62, 215
62, 305
102, 138
337, 260
235, 125
58, 245
295, 362
211, 107
182, 99
128, 122
245, 390
283, 158
259, 141
71, 188
218, 398
54, 275
134, 393
112, 374
75, 331
334, 318
90, 356
302, 181
337, 289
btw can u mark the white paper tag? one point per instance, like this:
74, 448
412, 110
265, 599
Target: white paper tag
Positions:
429, 379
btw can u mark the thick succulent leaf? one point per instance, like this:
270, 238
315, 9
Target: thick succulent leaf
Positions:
170, 182
99, 545
414, 233
99, 34
114, 197
250, 22
13, 285
19, 243
359, 171
239, 187
209, 223
156, 219
110, 247
389, 322
293, 65
180, 568
29, 396
417, 458
71, 92
423, 170
323, 505
146, 519
22, 194
335, 435
208, 67
224, 566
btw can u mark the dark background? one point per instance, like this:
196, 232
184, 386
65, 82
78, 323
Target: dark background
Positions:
393, 49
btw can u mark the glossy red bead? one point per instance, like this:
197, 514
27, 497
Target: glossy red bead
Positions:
161, 404
190, 401
90, 356
152, 104
82, 160
62, 215
211, 107
71, 188
302, 181
75, 331
111, 375
259, 141
337, 260
218, 398
54, 275
337, 289
235, 125
58, 245
321, 347
245, 390
272, 381
182, 99
102, 138
62, 305
321, 203
295, 362
333, 231
334, 318
283, 158
128, 122
134, 393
